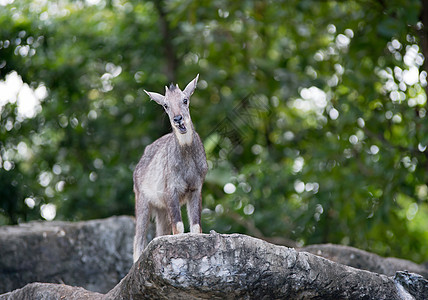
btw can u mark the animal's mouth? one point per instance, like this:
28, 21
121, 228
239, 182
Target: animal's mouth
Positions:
181, 127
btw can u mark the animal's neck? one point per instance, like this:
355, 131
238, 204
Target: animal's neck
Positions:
184, 139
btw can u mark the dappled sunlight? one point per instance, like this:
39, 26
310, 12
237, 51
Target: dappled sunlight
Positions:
229, 188
48, 211
14, 90
30, 202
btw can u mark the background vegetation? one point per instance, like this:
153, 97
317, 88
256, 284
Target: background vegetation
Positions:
313, 113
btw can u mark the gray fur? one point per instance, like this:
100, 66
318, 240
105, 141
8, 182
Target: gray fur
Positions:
170, 172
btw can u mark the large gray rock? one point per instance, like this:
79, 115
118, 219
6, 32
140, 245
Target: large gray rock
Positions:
217, 266
93, 254
365, 260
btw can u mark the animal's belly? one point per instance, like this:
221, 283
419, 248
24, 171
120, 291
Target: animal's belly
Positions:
153, 185
156, 183
154, 195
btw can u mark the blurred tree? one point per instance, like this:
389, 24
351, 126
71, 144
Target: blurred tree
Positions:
313, 114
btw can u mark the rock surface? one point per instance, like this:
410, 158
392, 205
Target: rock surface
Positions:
364, 260
93, 254
51, 291
219, 266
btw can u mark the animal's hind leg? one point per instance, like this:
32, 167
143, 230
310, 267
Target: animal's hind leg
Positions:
142, 219
163, 224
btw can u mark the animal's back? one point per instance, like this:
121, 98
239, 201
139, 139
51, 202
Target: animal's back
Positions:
157, 147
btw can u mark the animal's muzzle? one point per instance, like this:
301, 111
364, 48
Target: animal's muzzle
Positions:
179, 123
178, 119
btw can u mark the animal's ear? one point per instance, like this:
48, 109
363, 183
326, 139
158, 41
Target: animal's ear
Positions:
190, 88
155, 96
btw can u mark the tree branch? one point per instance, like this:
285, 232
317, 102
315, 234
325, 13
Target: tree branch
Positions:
167, 36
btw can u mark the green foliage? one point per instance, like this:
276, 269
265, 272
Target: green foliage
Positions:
314, 128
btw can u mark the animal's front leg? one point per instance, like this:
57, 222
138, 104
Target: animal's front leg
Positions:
174, 213
194, 207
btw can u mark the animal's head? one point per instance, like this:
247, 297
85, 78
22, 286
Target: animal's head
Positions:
176, 104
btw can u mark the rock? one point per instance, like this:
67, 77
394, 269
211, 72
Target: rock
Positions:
236, 266
93, 254
415, 284
51, 291
365, 260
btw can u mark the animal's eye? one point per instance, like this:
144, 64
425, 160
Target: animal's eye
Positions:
185, 100
166, 106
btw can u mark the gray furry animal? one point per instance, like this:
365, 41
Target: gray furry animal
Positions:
171, 172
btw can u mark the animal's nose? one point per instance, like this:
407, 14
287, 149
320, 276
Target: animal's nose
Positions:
178, 118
